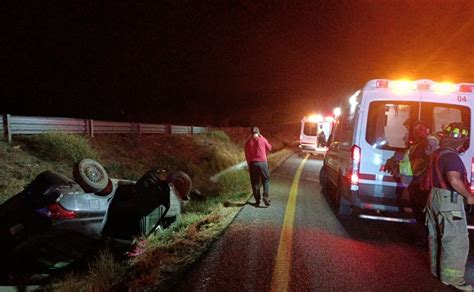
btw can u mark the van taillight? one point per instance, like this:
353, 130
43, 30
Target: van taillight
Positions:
355, 155
354, 179
58, 212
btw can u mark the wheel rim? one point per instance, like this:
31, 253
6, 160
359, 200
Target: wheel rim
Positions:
93, 173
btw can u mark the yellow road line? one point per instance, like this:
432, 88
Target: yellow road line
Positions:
281, 271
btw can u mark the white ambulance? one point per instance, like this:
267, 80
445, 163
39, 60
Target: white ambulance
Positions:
311, 127
371, 128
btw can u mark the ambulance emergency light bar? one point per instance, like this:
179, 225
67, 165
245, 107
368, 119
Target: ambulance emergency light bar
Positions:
320, 119
315, 118
402, 86
329, 119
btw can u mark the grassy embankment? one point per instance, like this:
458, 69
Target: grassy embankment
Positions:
171, 252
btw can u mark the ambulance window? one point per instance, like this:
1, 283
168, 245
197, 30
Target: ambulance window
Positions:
439, 115
310, 129
385, 124
345, 128
442, 116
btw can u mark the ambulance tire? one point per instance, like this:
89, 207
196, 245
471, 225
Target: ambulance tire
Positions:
323, 177
341, 204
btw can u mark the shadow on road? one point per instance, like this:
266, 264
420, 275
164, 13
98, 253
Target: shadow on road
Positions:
241, 204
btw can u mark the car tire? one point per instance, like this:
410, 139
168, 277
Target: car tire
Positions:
181, 182
342, 206
91, 176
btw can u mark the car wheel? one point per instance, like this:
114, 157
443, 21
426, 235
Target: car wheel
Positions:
181, 182
342, 206
91, 176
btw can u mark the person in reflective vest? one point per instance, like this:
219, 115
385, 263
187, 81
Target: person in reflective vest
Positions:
410, 166
446, 216
415, 166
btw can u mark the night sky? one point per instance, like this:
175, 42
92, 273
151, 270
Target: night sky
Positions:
222, 62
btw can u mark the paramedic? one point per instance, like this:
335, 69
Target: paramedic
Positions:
423, 145
446, 216
321, 139
411, 166
256, 149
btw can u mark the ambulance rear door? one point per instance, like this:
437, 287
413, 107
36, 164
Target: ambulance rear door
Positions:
382, 134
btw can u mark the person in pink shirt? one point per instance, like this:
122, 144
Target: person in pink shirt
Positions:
256, 149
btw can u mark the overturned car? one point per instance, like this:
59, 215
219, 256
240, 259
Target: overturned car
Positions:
54, 211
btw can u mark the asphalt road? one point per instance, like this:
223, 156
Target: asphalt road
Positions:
299, 244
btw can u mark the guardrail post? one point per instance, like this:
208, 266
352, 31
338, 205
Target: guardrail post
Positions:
168, 129
91, 128
7, 129
139, 130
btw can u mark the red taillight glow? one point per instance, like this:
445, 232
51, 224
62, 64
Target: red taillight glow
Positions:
466, 88
381, 84
58, 212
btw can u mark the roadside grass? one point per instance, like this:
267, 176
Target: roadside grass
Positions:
217, 151
101, 275
62, 147
29, 156
220, 135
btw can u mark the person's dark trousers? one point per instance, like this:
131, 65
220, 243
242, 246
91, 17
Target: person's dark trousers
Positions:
418, 201
259, 174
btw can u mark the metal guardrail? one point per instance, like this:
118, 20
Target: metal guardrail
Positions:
33, 125
22, 125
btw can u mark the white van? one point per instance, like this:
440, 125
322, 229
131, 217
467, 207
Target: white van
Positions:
311, 127
370, 129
